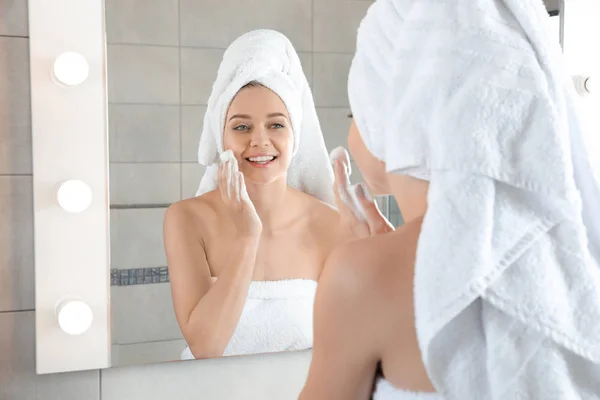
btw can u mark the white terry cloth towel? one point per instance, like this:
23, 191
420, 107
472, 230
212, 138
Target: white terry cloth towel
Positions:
507, 281
384, 390
268, 57
277, 316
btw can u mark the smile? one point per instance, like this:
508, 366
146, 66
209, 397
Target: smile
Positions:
261, 161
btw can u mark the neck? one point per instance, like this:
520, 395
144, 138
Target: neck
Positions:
268, 201
410, 194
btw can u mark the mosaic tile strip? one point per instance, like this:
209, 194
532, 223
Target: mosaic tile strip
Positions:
138, 276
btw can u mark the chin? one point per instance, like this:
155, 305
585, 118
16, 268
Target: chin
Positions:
262, 178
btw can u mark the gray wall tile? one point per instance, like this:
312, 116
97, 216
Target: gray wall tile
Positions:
13, 18
306, 60
191, 173
192, 120
143, 74
144, 313
330, 79
198, 72
216, 23
272, 376
336, 23
18, 380
335, 125
144, 133
16, 243
15, 106
146, 353
142, 22
144, 183
136, 238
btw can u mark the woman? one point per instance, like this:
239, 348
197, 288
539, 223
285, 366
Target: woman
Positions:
491, 289
244, 256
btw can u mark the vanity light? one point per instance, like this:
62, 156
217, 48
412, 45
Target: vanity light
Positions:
74, 196
583, 84
71, 68
74, 316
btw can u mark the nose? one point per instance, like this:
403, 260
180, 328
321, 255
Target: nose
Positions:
260, 138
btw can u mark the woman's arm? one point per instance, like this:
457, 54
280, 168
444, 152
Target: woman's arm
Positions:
345, 353
207, 313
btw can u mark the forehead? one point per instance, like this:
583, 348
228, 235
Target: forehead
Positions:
258, 101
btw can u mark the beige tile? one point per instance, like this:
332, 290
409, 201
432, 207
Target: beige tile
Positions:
143, 74
191, 174
136, 238
264, 377
18, 380
13, 18
330, 79
16, 244
144, 133
144, 183
192, 120
144, 313
198, 72
142, 22
148, 353
336, 23
15, 105
335, 125
216, 23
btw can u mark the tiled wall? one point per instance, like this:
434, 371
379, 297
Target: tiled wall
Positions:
277, 376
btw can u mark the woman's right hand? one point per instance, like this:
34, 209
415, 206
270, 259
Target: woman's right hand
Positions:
235, 196
358, 210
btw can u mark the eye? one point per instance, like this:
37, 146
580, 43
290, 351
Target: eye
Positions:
277, 125
241, 127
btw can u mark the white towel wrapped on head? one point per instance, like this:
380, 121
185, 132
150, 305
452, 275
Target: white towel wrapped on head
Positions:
268, 57
507, 289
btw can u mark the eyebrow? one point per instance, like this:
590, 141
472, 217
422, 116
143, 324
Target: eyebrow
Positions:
245, 116
240, 116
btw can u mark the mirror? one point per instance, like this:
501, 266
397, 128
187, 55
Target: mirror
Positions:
162, 61
163, 58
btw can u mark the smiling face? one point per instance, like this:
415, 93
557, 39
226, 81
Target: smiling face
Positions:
259, 132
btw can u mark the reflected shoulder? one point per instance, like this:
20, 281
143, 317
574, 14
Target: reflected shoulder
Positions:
190, 212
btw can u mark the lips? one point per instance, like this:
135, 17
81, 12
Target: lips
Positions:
261, 159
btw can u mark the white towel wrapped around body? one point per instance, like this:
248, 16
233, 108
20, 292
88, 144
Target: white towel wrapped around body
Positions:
268, 57
507, 281
277, 316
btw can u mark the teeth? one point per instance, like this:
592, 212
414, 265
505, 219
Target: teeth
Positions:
261, 159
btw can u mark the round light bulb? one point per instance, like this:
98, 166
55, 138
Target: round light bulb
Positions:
71, 68
589, 84
74, 317
74, 196
583, 84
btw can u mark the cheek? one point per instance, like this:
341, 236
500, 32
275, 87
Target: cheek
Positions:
284, 143
233, 141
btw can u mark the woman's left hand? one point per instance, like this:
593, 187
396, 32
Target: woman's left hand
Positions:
358, 209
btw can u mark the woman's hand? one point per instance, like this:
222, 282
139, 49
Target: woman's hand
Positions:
359, 212
235, 196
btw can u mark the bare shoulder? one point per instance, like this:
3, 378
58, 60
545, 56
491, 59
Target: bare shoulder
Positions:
371, 270
191, 213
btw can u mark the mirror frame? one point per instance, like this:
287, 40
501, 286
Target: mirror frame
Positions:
69, 142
